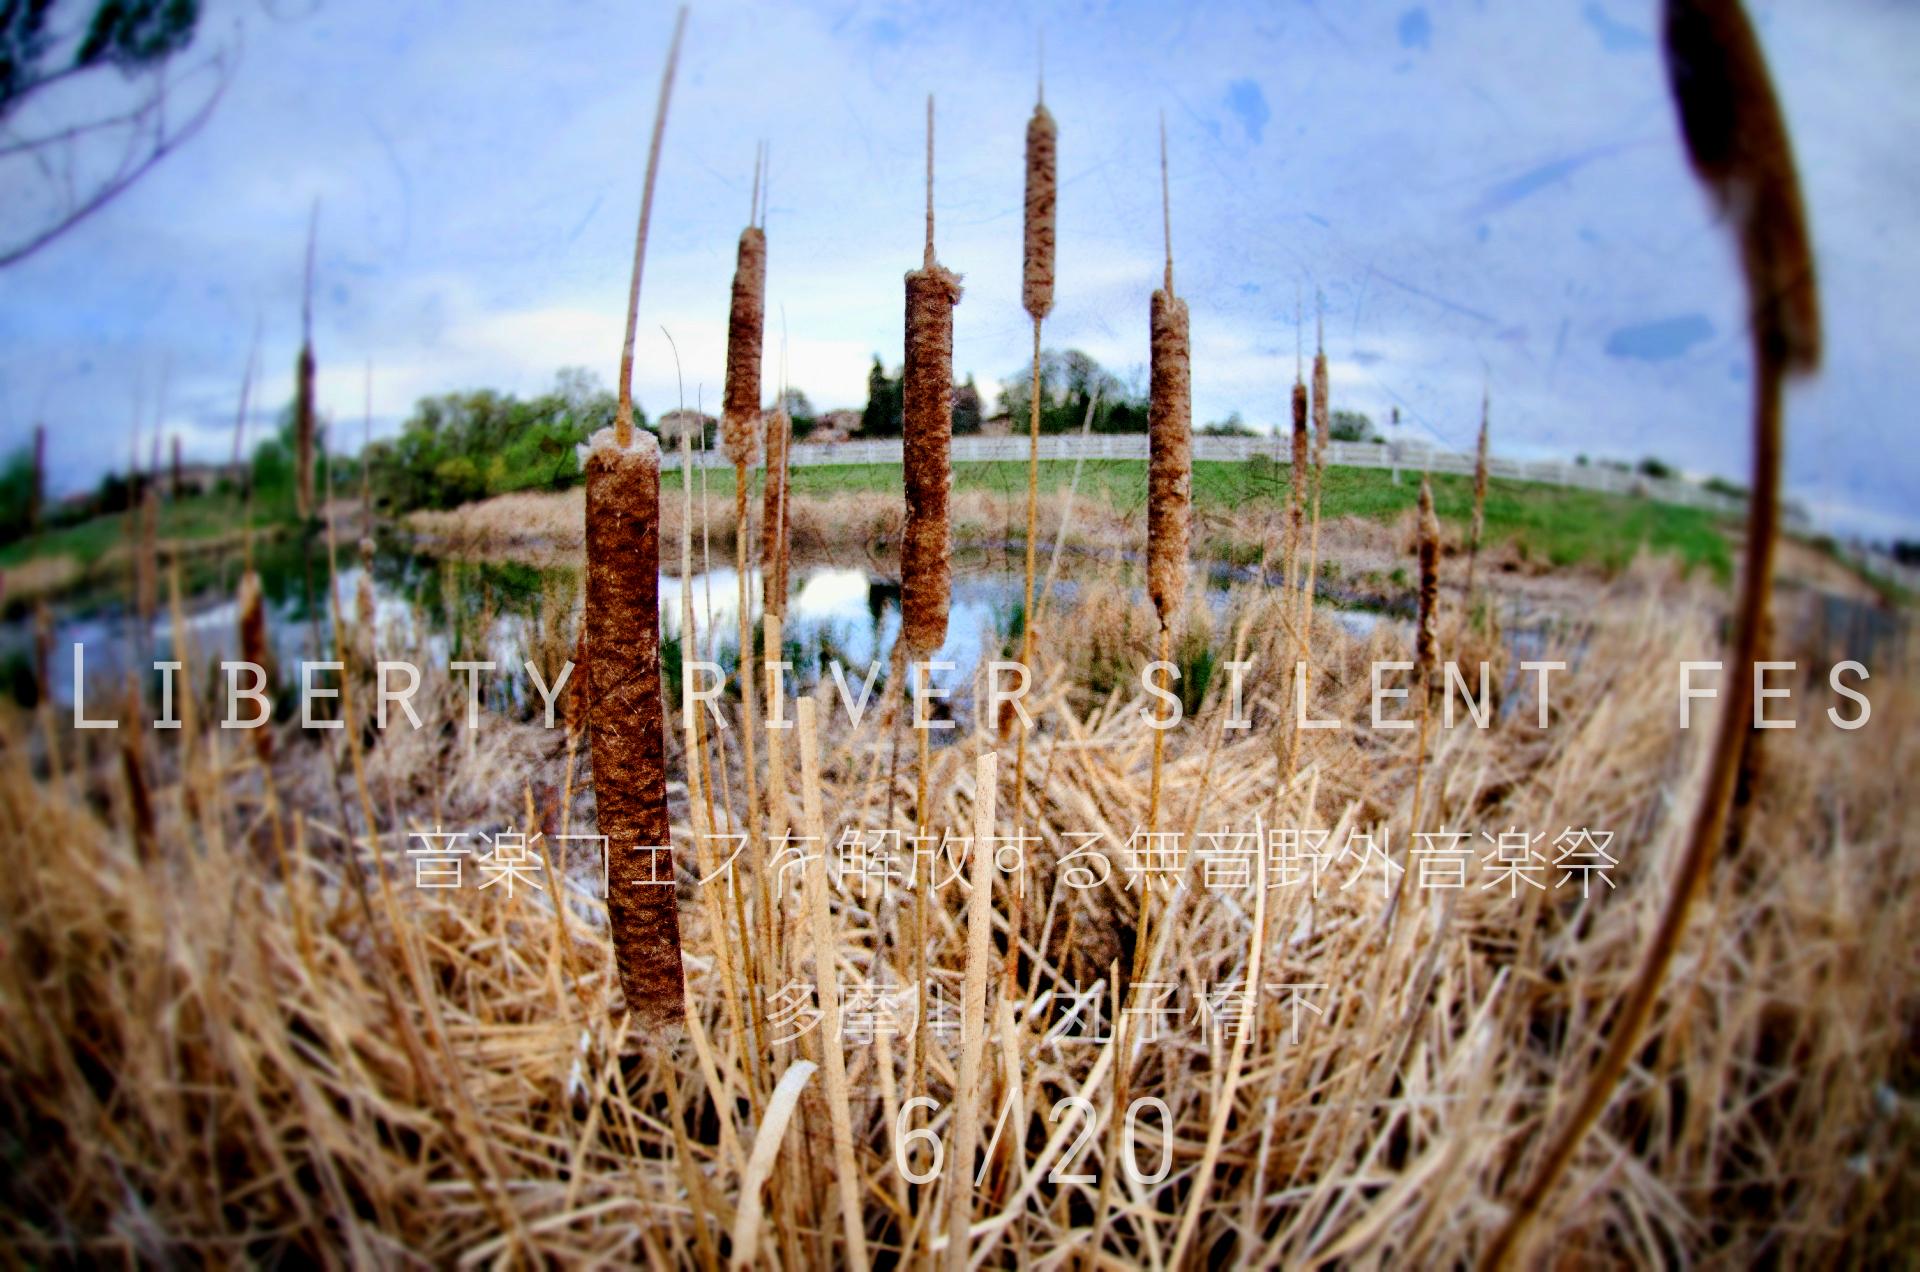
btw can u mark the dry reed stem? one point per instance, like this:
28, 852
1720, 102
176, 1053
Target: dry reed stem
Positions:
775, 548
623, 414
745, 1234
827, 975
629, 757
973, 1012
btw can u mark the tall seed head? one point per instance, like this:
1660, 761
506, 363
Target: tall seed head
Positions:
746, 324
1737, 141
1169, 455
1043, 184
775, 532
1429, 550
628, 719
926, 579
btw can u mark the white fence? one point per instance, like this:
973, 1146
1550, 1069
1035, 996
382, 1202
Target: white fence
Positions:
1414, 457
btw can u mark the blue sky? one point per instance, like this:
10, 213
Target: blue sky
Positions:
1483, 190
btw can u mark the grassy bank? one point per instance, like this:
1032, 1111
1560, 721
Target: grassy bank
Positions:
1242, 502
1554, 524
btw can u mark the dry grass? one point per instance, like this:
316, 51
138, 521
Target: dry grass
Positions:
215, 1057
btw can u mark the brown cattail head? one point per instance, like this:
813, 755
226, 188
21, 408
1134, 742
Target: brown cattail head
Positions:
1043, 187
37, 491
746, 324
628, 727
1480, 477
254, 648
1429, 549
928, 409
303, 432
775, 533
1737, 141
1299, 441
1169, 455
1321, 407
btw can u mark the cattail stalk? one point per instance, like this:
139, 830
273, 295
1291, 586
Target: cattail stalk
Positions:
773, 585
925, 575
1169, 462
1321, 429
1043, 183
1737, 142
1321, 417
775, 548
740, 418
1426, 663
1479, 523
1425, 659
973, 1013
303, 421
37, 491
622, 622
926, 581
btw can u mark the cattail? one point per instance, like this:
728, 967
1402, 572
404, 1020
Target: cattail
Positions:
622, 628
179, 482
37, 491
775, 533
303, 422
1429, 550
932, 292
1737, 143
628, 728
740, 433
1043, 183
1321, 410
1169, 434
740, 412
1479, 494
1297, 478
254, 648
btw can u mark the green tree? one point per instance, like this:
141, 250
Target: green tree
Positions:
1068, 382
1351, 426
885, 413
1232, 426
967, 412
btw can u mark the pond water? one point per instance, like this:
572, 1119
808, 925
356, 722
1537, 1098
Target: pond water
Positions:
492, 612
